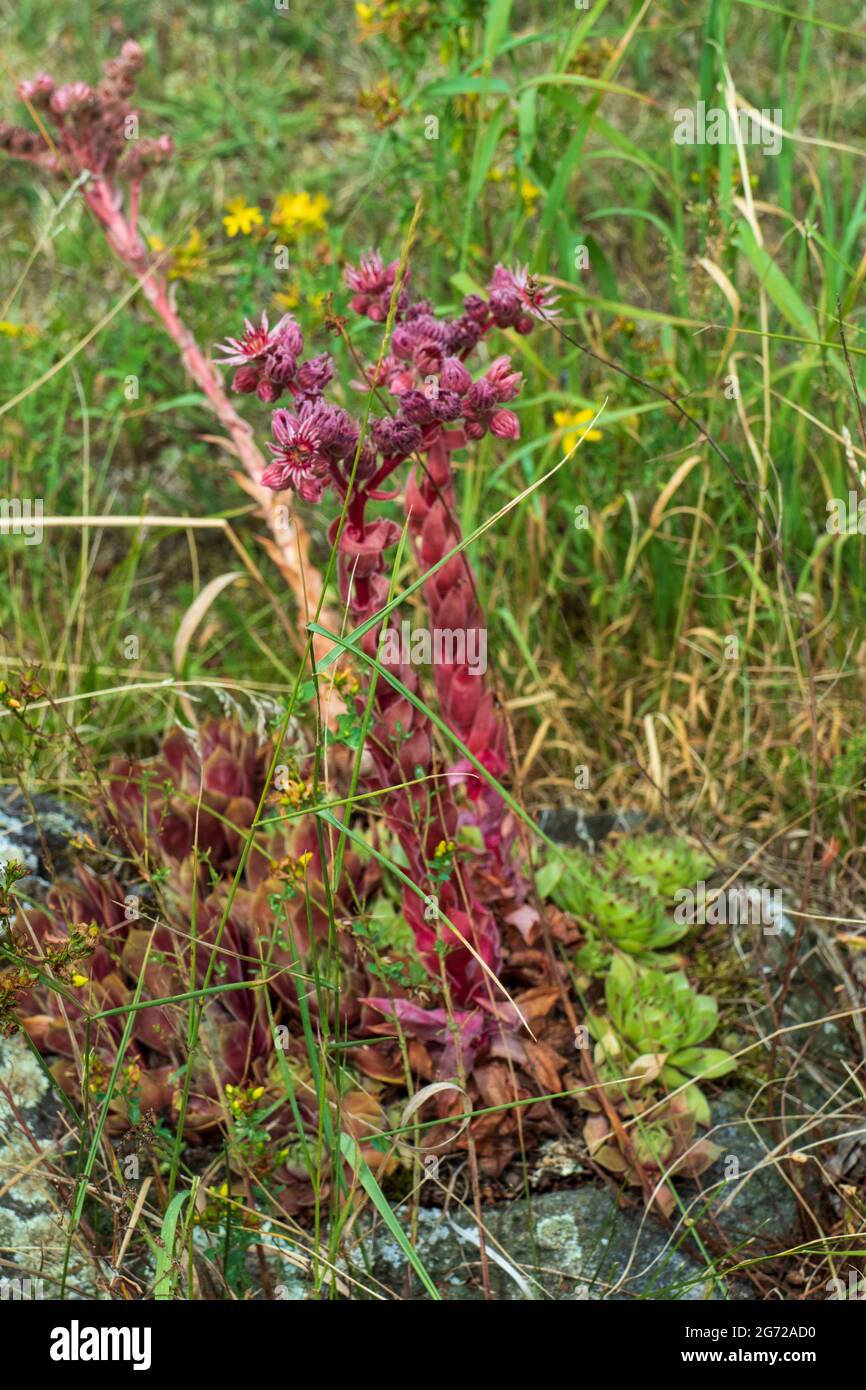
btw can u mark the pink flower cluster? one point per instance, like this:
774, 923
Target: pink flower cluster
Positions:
314, 444
95, 128
373, 282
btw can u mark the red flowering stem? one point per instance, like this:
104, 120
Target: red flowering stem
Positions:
402, 748
466, 702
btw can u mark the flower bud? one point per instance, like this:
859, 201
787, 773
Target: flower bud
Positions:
454, 376
268, 391
505, 424
280, 365
314, 375
245, 380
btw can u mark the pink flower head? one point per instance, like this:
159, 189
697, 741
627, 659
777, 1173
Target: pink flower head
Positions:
257, 341
299, 462
372, 283
454, 376
395, 438
132, 54
481, 414
74, 96
246, 380
37, 90
517, 290
335, 429
505, 424
315, 373
504, 380
268, 391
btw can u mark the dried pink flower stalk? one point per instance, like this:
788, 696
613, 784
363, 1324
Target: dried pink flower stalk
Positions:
93, 137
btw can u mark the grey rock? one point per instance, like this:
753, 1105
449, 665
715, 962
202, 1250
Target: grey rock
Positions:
33, 1238
36, 834
568, 1245
570, 825
748, 1200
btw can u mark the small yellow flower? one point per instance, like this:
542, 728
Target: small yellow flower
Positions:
530, 193
297, 213
242, 217
184, 262
347, 683
383, 100
365, 13
27, 331
257, 1093
569, 421
444, 847
520, 183
79, 980
289, 299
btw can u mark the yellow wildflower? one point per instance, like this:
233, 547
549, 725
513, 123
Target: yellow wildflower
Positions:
242, 217
570, 421
79, 980
297, 213
347, 683
183, 262
290, 298
81, 841
295, 792
530, 193
27, 331
383, 100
